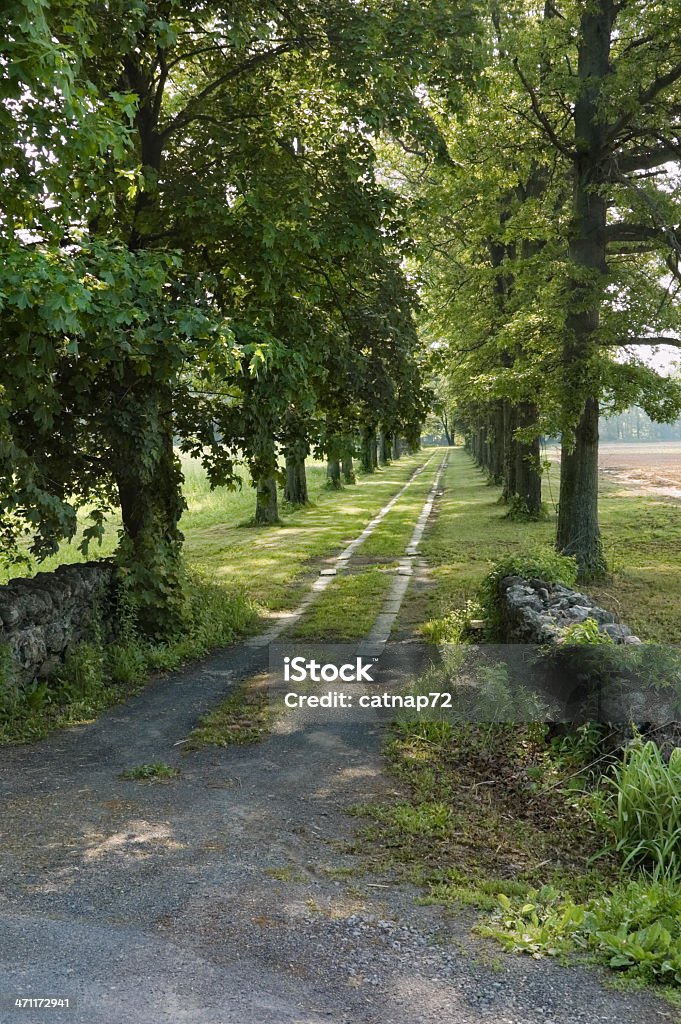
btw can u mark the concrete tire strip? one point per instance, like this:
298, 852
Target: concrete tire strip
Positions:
341, 562
374, 645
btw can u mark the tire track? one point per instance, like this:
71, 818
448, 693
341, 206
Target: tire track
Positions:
341, 562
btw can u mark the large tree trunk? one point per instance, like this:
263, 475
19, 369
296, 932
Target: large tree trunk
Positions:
150, 494
383, 449
368, 450
528, 464
348, 471
295, 490
147, 471
578, 532
263, 469
396, 447
509, 413
333, 472
497, 459
266, 504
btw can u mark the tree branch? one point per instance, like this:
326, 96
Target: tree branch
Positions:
257, 59
623, 232
658, 339
648, 158
540, 115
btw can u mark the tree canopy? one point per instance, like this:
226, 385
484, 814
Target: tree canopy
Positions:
256, 231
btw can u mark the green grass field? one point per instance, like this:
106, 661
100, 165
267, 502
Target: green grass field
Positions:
641, 536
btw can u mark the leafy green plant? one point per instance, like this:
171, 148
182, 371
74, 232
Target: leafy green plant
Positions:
425, 820
519, 512
646, 810
545, 923
634, 928
82, 673
126, 664
481, 691
454, 628
586, 632
542, 563
579, 747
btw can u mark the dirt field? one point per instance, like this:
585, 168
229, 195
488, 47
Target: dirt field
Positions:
653, 468
640, 468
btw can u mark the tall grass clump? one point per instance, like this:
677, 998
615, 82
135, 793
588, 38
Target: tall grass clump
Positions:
646, 810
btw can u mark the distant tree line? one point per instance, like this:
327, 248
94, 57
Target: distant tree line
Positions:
635, 425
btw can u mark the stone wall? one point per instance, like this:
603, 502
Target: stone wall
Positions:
536, 612
593, 682
40, 618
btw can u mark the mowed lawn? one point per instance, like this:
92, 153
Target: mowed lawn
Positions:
271, 564
641, 536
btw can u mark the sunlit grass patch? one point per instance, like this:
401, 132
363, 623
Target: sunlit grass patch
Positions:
641, 537
245, 717
348, 608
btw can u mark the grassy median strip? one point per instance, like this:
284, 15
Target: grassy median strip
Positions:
393, 534
245, 717
347, 609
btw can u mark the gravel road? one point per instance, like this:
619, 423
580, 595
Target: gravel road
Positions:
228, 895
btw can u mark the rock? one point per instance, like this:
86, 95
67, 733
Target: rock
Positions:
616, 631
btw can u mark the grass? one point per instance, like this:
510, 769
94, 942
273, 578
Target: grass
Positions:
278, 561
392, 535
346, 610
472, 820
641, 537
245, 717
646, 819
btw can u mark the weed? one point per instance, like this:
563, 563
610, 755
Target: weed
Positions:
646, 810
634, 928
156, 772
586, 632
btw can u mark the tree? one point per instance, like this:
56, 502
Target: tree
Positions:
621, 91
547, 240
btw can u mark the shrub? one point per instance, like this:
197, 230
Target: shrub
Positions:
543, 564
